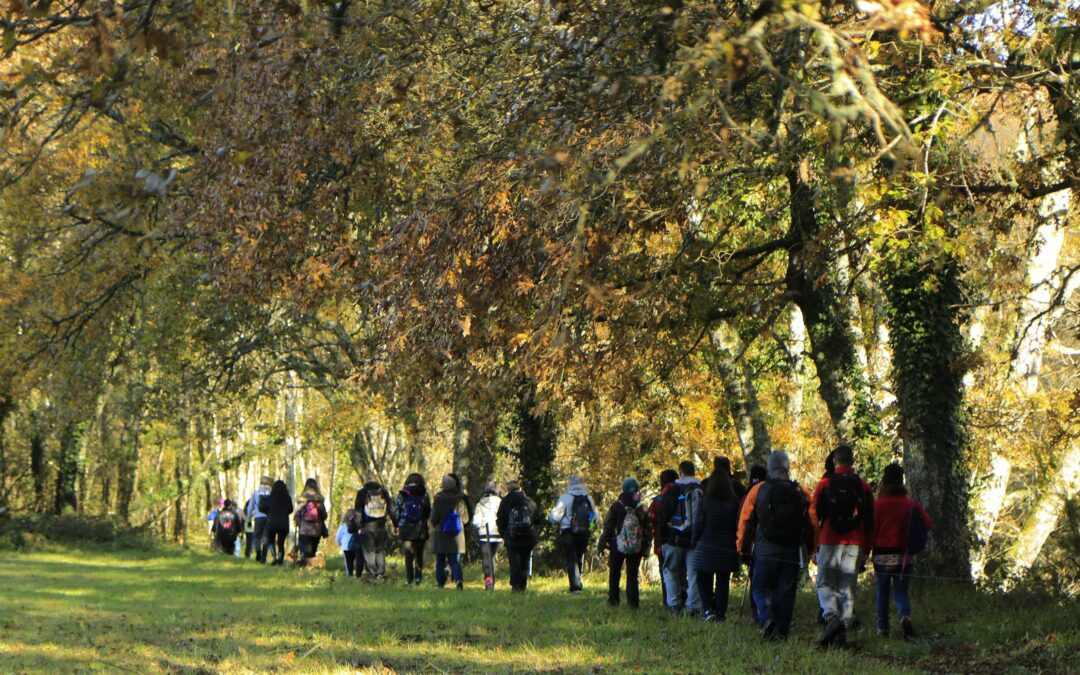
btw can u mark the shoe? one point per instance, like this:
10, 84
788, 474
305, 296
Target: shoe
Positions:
834, 630
460, 585
909, 630
578, 592
883, 632
768, 631
489, 584
709, 617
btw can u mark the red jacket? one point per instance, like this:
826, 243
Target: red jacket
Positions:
891, 522
827, 536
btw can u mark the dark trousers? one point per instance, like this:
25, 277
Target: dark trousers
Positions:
414, 559
615, 565
257, 539
775, 580
309, 545
441, 562
663, 582
574, 555
227, 544
714, 589
373, 546
518, 557
488, 549
350, 562
275, 541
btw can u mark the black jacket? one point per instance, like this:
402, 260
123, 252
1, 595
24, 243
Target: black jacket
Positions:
715, 527
510, 502
669, 506
375, 490
413, 531
613, 524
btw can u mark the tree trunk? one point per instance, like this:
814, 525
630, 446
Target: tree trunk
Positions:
927, 346
182, 476
37, 460
293, 412
1064, 483
986, 506
796, 348
6, 407
731, 366
539, 438
67, 471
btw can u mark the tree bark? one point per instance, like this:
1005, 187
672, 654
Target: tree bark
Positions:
742, 400
37, 460
6, 408
1064, 483
67, 471
539, 438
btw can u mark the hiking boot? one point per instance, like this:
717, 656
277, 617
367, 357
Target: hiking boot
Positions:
905, 625
768, 631
489, 584
460, 585
577, 592
834, 630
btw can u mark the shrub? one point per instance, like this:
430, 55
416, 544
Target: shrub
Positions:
34, 532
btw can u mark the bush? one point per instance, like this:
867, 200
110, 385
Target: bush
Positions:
35, 532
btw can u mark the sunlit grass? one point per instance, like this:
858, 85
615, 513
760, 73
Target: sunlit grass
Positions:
175, 611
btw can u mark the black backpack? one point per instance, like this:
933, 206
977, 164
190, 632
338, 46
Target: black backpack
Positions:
844, 498
581, 516
519, 522
781, 509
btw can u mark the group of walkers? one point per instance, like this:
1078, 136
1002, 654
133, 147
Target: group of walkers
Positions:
700, 530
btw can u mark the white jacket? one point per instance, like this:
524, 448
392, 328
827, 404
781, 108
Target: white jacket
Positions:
561, 513
484, 518
343, 538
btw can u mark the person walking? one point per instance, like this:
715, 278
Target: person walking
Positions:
676, 518
413, 510
774, 531
227, 526
485, 520
900, 527
449, 516
758, 473
516, 522
843, 511
626, 538
659, 538
346, 531
310, 519
374, 508
279, 508
255, 515
715, 554
574, 515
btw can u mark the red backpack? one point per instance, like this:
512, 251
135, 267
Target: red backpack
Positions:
311, 513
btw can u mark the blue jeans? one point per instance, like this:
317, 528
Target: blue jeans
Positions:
441, 561
574, 555
901, 583
837, 578
775, 579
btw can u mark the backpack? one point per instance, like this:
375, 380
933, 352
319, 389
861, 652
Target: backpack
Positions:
375, 505
581, 516
917, 533
310, 513
351, 525
628, 540
519, 522
264, 504
412, 509
689, 498
451, 524
844, 499
227, 522
781, 515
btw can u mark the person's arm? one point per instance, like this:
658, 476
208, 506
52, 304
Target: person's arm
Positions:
391, 507
361, 497
744, 538
809, 531
646, 531
500, 519
868, 505
557, 512
815, 504
608, 531
924, 514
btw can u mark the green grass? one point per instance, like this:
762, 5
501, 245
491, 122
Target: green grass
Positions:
177, 611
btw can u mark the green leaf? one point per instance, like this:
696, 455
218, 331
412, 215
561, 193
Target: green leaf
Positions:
9, 40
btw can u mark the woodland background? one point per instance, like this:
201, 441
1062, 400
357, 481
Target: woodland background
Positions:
533, 238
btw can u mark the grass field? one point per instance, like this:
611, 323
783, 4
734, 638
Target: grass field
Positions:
171, 610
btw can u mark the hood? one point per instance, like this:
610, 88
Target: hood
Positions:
264, 490
688, 480
372, 486
630, 499
577, 491
310, 495
414, 489
449, 496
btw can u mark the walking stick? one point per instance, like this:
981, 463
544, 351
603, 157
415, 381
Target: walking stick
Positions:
745, 590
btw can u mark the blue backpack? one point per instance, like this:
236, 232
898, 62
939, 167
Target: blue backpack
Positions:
412, 508
451, 524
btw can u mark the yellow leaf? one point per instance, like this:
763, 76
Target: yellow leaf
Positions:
466, 325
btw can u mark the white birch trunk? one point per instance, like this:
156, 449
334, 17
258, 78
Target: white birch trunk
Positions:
796, 348
291, 416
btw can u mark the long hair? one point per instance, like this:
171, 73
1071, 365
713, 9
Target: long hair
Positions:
415, 479
719, 485
279, 495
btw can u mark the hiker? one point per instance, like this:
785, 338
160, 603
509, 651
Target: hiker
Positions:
900, 527
516, 522
227, 526
843, 511
279, 508
715, 557
723, 464
256, 517
574, 515
757, 474
487, 528
374, 507
346, 532
676, 519
449, 516
774, 526
667, 479
310, 519
626, 538
211, 518
413, 510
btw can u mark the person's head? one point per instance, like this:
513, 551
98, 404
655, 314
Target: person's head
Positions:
778, 465
630, 485
721, 463
458, 483
229, 504
280, 490
348, 515
668, 476
512, 485
843, 455
449, 482
574, 481
266, 480
892, 482
415, 479
491, 486
719, 483
758, 473
686, 468
221, 503
311, 484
